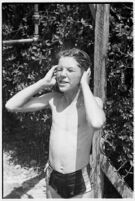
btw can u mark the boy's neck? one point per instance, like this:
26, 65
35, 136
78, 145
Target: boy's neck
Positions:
72, 95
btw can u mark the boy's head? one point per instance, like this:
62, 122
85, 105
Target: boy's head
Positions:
71, 65
80, 56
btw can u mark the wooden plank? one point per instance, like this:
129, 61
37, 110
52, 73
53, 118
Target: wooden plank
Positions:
115, 178
96, 177
101, 40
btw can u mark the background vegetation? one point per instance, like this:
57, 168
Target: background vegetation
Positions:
26, 136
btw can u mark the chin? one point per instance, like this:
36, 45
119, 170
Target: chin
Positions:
63, 89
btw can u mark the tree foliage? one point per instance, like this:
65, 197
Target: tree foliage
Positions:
66, 25
119, 105
23, 64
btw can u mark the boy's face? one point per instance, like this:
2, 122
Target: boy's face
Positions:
68, 74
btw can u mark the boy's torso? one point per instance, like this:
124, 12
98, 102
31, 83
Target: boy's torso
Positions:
70, 138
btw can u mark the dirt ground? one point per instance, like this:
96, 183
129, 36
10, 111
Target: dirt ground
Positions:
19, 182
29, 183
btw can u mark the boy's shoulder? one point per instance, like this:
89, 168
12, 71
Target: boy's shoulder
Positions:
56, 96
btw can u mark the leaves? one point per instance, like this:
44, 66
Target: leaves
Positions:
24, 64
68, 25
119, 104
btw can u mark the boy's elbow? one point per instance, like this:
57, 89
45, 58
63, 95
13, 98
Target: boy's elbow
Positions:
99, 122
10, 108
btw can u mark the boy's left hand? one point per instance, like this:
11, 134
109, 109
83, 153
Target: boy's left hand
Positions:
86, 76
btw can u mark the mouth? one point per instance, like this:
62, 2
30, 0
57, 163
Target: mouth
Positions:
62, 82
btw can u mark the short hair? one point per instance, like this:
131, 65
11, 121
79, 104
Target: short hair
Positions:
80, 56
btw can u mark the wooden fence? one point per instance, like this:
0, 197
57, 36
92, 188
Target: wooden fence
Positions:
100, 163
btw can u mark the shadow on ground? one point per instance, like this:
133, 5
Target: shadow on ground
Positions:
26, 186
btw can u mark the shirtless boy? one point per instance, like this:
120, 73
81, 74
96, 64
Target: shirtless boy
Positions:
76, 114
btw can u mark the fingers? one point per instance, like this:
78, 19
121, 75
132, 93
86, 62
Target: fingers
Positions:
53, 68
52, 71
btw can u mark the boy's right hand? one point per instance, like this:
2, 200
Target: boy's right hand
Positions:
50, 78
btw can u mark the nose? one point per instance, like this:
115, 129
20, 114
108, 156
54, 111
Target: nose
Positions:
63, 73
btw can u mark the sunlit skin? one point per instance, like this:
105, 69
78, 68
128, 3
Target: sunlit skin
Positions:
70, 131
68, 74
76, 113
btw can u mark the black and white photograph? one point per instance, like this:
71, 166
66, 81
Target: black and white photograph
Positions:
67, 99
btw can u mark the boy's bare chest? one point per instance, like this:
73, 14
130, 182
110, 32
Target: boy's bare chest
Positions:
72, 116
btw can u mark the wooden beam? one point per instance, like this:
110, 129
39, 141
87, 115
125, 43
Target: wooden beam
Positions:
115, 178
101, 41
101, 44
96, 176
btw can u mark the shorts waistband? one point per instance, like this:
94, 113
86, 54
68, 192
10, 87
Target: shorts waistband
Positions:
84, 169
70, 184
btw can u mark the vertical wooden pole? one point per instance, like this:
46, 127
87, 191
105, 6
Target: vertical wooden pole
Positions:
101, 40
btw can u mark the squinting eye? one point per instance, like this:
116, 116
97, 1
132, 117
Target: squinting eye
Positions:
59, 69
70, 70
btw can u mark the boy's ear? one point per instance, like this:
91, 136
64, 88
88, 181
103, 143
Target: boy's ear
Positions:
89, 71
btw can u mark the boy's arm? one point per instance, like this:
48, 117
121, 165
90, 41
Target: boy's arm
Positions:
93, 105
23, 101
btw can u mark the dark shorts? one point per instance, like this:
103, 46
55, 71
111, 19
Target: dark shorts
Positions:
71, 184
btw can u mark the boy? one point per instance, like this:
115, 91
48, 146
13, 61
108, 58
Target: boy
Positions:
76, 113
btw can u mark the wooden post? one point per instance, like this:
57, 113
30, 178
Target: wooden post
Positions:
114, 177
101, 40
